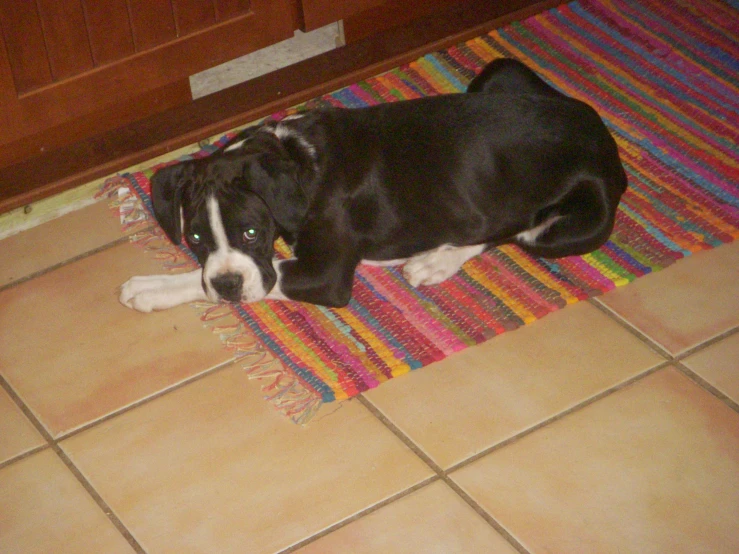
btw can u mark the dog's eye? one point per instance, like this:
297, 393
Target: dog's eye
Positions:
194, 239
250, 235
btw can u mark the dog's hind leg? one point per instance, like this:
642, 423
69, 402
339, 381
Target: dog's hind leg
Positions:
578, 224
435, 266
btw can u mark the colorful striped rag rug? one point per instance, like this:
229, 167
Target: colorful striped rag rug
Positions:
663, 74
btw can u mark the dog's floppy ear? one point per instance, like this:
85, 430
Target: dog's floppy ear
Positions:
239, 139
274, 178
166, 197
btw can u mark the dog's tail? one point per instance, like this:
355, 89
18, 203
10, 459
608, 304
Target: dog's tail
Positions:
506, 75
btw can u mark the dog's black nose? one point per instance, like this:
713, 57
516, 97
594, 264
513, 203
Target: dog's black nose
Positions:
228, 286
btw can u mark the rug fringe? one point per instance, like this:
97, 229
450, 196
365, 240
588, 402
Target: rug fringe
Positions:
279, 386
285, 392
124, 203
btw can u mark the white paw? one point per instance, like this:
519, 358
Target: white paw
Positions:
159, 292
429, 269
145, 293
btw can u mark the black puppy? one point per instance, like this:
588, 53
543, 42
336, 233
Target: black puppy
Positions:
429, 183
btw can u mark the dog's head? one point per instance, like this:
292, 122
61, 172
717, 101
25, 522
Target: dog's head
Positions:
231, 207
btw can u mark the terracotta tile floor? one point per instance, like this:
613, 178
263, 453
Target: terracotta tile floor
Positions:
610, 426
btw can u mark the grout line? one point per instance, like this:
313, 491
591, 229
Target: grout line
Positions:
49, 269
623, 322
107, 510
701, 382
367, 403
569, 411
706, 344
494, 523
26, 411
52, 443
359, 515
148, 399
441, 474
23, 456
677, 360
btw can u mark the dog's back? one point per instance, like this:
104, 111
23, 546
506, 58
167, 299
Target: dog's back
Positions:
506, 75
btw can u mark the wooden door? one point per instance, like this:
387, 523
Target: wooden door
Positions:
363, 18
317, 13
73, 68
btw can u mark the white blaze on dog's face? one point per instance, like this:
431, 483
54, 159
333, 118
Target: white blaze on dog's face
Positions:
233, 242
228, 273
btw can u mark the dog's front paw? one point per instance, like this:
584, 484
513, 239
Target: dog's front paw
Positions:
144, 294
159, 292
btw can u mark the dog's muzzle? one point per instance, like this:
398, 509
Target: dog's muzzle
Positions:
228, 286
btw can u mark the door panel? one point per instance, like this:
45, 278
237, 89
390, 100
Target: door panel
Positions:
109, 30
65, 36
317, 13
152, 22
24, 43
67, 59
192, 15
226, 9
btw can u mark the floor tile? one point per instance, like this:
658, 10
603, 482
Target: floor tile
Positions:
17, 434
433, 520
483, 395
719, 365
74, 354
57, 241
686, 304
212, 467
651, 468
45, 509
